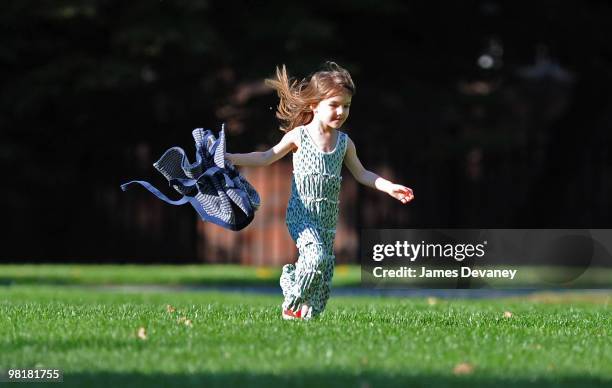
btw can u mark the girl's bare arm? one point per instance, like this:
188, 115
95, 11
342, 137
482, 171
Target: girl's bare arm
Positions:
265, 158
368, 178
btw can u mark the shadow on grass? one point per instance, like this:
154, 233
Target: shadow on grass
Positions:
367, 379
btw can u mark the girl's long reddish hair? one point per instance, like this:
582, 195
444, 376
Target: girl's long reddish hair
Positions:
296, 98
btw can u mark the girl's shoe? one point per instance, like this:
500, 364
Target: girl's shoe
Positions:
289, 314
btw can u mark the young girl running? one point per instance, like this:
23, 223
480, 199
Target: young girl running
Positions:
311, 112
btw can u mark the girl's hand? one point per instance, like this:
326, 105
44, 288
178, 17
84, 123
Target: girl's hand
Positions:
401, 193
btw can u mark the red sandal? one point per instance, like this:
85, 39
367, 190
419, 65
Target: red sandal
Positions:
289, 314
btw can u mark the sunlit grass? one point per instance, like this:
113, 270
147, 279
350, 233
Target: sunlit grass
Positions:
223, 275
231, 339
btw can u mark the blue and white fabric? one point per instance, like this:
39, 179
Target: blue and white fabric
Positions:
212, 185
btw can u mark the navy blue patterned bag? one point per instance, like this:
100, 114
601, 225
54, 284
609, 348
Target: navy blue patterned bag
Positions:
212, 185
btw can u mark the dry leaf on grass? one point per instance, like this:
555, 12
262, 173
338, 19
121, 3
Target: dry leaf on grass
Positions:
170, 308
142, 333
507, 314
263, 273
463, 368
184, 320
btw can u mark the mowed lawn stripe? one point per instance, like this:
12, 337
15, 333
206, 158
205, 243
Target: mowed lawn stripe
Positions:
193, 338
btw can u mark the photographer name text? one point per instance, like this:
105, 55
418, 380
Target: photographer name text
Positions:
424, 272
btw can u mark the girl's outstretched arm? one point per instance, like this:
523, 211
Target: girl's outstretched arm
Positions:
368, 178
287, 143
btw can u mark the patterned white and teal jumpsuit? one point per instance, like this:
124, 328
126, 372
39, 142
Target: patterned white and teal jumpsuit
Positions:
312, 214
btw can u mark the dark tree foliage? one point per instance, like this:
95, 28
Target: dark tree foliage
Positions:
93, 91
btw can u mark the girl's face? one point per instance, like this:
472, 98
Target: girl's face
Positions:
332, 112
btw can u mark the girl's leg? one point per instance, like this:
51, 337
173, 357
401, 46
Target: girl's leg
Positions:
307, 277
287, 279
323, 291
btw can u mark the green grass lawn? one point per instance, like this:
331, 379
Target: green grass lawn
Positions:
208, 275
232, 339
237, 275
